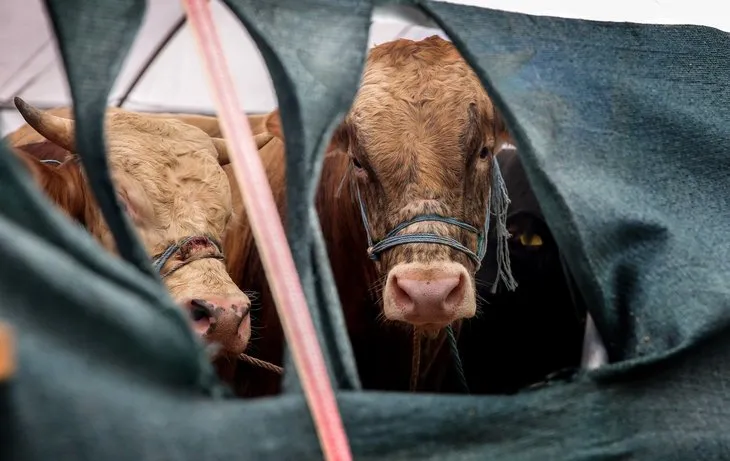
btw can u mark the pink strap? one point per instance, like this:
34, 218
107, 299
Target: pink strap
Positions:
270, 238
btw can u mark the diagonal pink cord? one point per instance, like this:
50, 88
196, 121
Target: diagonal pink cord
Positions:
270, 238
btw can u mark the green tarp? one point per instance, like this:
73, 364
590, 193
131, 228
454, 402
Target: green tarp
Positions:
624, 132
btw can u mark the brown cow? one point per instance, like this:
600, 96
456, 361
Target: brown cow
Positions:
418, 140
169, 180
420, 135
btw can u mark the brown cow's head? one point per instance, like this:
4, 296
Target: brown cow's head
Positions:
421, 135
169, 180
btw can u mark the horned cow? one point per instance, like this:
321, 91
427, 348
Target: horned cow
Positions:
170, 183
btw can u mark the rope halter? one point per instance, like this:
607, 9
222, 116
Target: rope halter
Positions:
393, 238
497, 204
159, 261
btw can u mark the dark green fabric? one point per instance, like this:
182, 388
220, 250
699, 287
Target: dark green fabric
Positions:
315, 53
94, 38
623, 131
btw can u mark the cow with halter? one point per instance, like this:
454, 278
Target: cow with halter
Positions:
170, 183
420, 137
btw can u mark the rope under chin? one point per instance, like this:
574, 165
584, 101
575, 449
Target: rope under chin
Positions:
262, 364
416, 359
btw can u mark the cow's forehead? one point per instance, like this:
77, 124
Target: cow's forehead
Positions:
137, 144
411, 93
414, 128
168, 158
161, 137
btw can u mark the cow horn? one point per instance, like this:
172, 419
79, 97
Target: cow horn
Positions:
60, 131
261, 140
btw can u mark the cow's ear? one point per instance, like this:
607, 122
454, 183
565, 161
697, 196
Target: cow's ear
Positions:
340, 138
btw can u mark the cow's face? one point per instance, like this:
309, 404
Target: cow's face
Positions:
170, 182
420, 136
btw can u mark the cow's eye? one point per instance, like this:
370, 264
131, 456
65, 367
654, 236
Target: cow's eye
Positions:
356, 163
484, 153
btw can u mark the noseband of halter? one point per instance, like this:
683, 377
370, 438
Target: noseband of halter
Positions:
498, 202
159, 261
393, 238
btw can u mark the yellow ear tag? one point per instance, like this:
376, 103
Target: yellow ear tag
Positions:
533, 240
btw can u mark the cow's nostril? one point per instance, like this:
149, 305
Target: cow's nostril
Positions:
402, 298
201, 310
200, 313
224, 320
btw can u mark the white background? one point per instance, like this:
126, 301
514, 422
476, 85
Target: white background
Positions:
30, 66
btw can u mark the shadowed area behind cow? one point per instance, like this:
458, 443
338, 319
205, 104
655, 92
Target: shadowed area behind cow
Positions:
522, 337
170, 183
